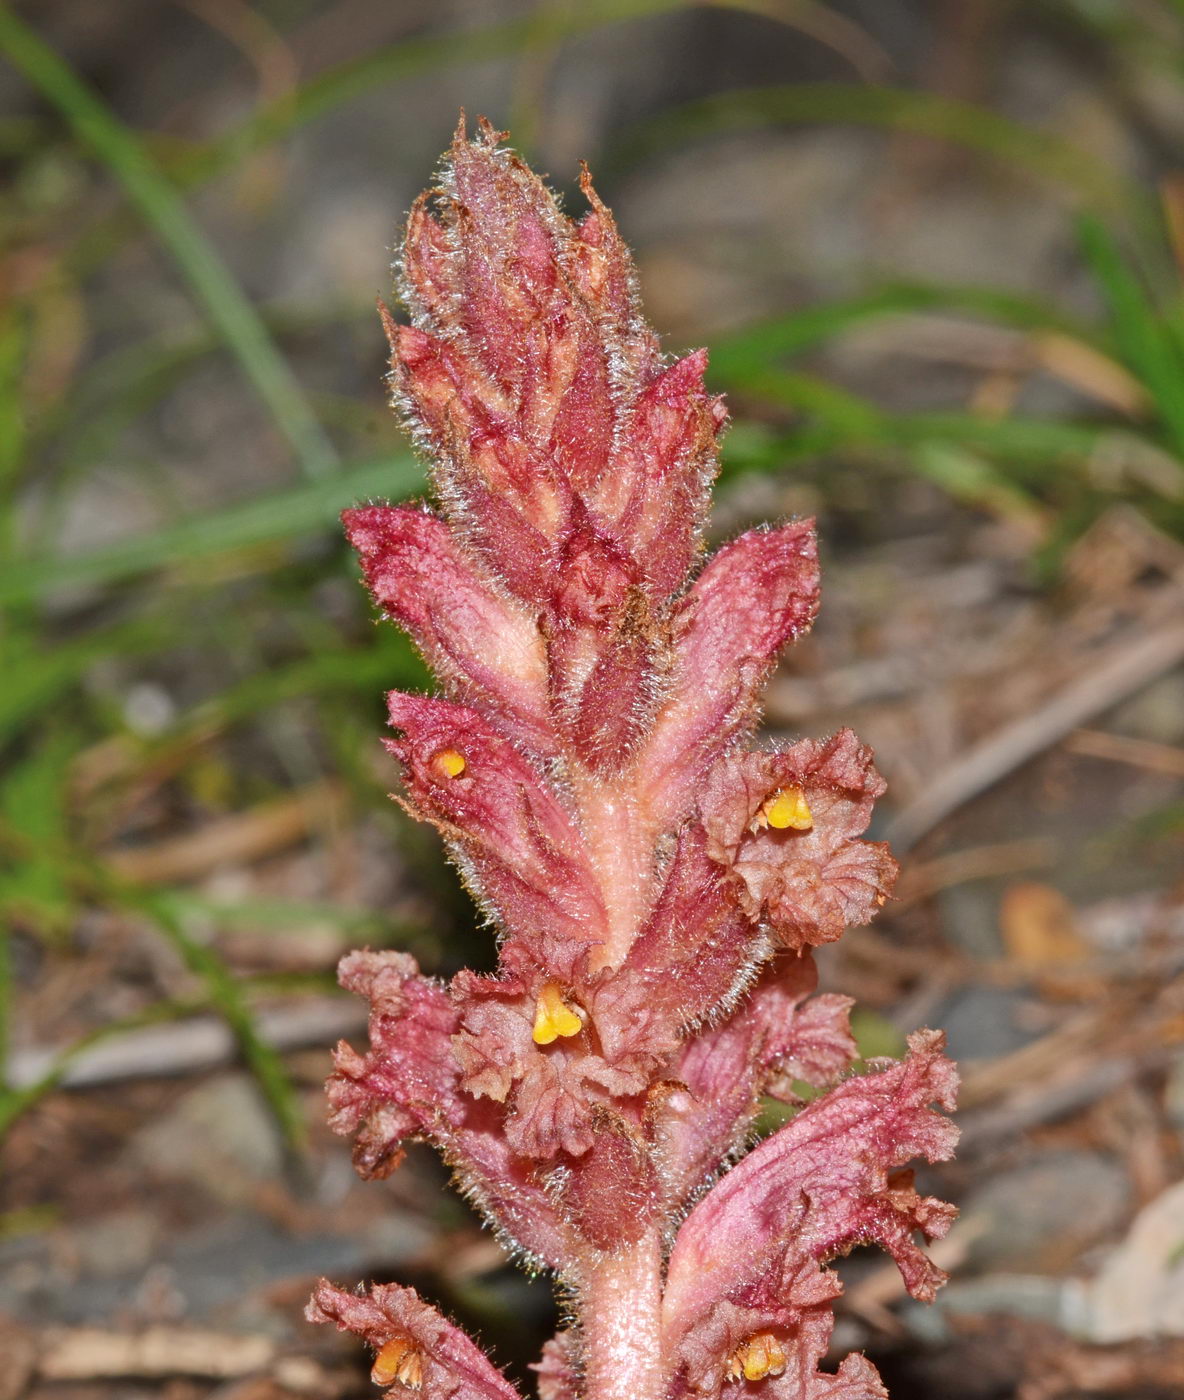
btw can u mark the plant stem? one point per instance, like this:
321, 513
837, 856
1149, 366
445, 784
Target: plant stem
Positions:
620, 1311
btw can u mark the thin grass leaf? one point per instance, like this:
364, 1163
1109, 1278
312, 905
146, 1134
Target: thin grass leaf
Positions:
417, 56
226, 996
1055, 162
15, 1102
407, 58
111, 394
266, 519
552, 22
843, 422
36, 890
967, 477
35, 676
851, 416
28, 1220
367, 674
756, 347
86, 425
851, 420
391, 662
13, 338
7, 997
158, 201
338, 85
1143, 336
1027, 439
374, 927
825, 25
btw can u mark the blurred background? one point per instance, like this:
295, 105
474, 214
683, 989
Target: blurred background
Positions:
935, 247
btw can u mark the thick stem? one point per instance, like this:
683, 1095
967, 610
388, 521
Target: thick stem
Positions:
623, 857
620, 1306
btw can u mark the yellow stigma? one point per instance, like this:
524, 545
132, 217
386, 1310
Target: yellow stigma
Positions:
448, 763
553, 1017
757, 1358
398, 1363
788, 808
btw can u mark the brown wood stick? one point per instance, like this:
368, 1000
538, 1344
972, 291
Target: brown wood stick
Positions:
1120, 748
91, 1353
1103, 685
185, 1047
237, 839
919, 881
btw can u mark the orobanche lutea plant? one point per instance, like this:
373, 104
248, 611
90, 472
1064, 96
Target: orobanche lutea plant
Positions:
656, 884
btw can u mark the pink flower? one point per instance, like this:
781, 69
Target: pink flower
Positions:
745, 1262
415, 1348
656, 885
787, 826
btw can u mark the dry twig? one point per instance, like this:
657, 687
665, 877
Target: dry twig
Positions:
160, 1052
238, 839
1126, 670
91, 1353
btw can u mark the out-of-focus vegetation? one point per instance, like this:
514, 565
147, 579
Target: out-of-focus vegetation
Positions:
179, 654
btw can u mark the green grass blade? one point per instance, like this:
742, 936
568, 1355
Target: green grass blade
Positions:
160, 204
390, 662
36, 891
13, 336
854, 418
226, 995
15, 1102
35, 676
1143, 336
736, 357
372, 927
366, 674
407, 58
124, 383
278, 516
965, 476
1018, 439
1037, 153
412, 58
6, 1003
835, 420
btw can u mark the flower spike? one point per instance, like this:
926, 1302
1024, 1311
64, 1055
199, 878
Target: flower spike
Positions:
656, 886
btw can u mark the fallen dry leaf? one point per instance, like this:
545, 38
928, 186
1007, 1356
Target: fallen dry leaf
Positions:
1039, 926
1140, 1289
